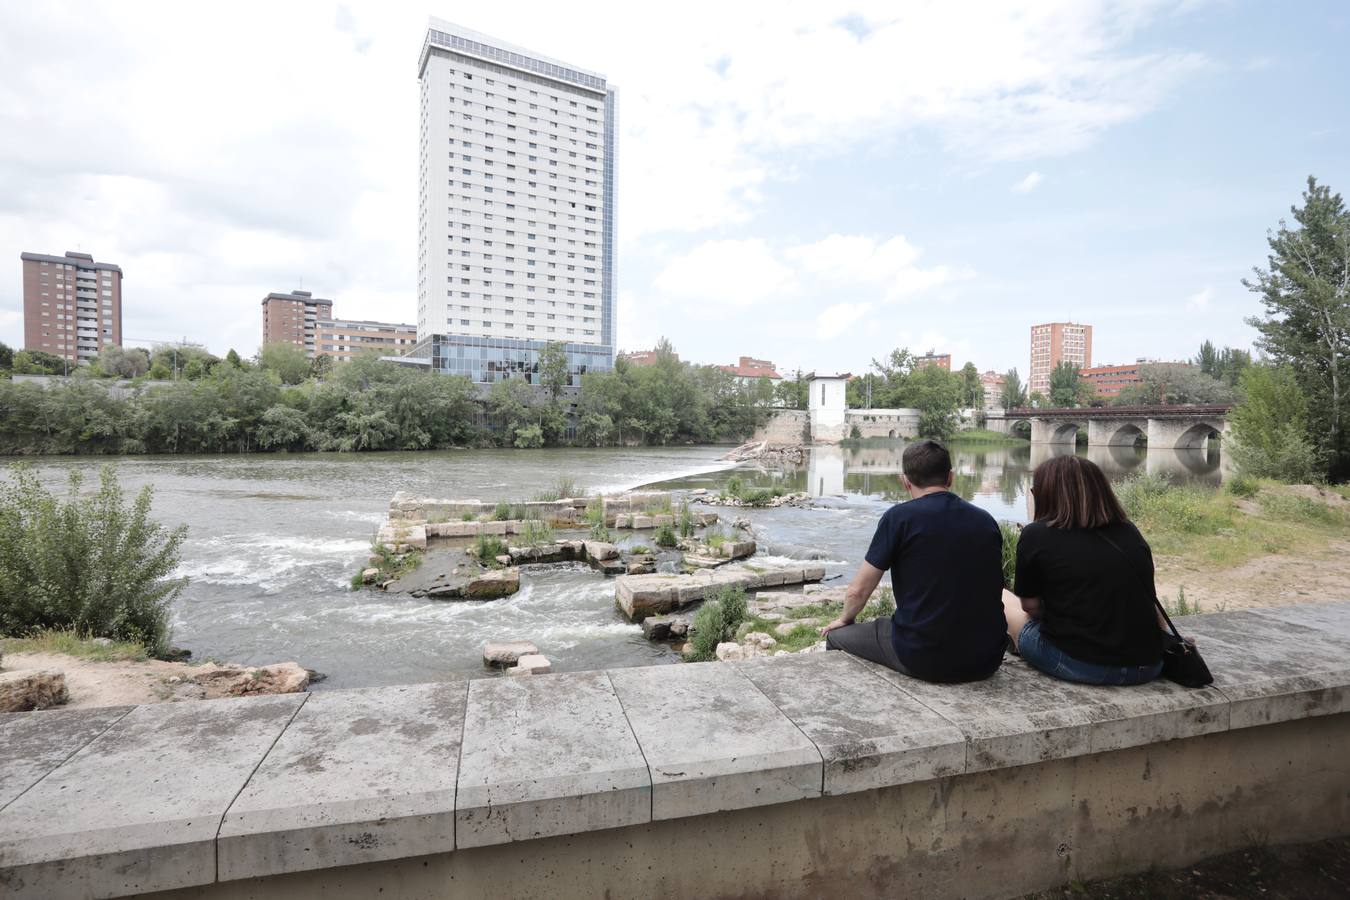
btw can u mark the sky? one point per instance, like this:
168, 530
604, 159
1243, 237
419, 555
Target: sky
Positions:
811, 183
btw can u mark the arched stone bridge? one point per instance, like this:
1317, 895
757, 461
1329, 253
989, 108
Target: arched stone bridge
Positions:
1167, 427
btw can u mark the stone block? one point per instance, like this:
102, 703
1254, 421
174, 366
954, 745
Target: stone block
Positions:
642, 522
531, 664
639, 596
713, 741
497, 528
662, 519
1272, 667
813, 573
601, 551
492, 584
35, 743
548, 756
415, 536
138, 808
29, 689
500, 654
358, 776
623, 520
870, 733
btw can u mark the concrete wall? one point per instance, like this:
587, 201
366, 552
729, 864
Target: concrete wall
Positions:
788, 426
993, 834
800, 775
892, 423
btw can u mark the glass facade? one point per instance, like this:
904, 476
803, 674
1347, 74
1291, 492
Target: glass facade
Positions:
485, 360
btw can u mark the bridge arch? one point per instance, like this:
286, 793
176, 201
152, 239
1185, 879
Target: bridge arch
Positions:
1127, 434
1064, 432
1198, 436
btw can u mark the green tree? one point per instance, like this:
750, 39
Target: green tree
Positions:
1067, 387
1270, 427
6, 356
235, 360
790, 393
1306, 326
1173, 384
285, 359
972, 389
553, 373
1014, 392
119, 363
320, 366
510, 405
40, 362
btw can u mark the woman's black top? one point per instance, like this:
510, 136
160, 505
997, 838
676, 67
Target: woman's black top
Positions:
1096, 604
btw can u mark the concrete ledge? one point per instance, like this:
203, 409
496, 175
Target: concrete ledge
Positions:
260, 792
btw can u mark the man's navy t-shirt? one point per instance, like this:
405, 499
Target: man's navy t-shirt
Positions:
945, 557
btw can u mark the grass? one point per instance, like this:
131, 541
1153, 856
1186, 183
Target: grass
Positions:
564, 487
1010, 533
467, 517
811, 618
1205, 526
72, 643
389, 564
658, 507
750, 496
536, 533
715, 537
984, 436
665, 537
687, 525
1181, 606
640, 549
487, 547
717, 621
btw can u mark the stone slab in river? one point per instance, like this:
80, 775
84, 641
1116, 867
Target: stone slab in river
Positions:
138, 808
1021, 716
713, 742
548, 756
34, 743
1271, 667
870, 733
359, 776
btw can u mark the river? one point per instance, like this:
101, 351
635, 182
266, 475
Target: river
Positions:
273, 541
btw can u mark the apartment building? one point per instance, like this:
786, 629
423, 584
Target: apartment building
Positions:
345, 339
72, 305
1053, 343
992, 382
748, 368
294, 318
516, 209
941, 360
645, 357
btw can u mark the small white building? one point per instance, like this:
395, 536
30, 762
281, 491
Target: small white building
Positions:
827, 406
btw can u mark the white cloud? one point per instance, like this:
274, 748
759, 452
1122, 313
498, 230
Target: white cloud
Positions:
1028, 184
1200, 299
833, 320
738, 272
859, 259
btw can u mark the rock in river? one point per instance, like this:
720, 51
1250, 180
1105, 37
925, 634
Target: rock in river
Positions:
500, 654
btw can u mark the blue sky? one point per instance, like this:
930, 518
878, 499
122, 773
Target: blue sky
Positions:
812, 183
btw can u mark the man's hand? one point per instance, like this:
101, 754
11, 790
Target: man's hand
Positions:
837, 623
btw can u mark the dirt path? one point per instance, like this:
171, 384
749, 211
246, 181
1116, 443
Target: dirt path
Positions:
1277, 579
94, 683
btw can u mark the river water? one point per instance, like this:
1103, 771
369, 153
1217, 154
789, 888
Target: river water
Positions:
273, 541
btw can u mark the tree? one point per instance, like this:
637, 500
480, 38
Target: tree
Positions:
1014, 392
972, 389
1173, 384
1270, 427
234, 360
791, 393
1224, 365
510, 404
1067, 387
40, 362
120, 363
320, 366
285, 359
553, 374
1306, 294
6, 356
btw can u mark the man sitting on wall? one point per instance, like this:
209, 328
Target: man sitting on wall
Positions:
945, 557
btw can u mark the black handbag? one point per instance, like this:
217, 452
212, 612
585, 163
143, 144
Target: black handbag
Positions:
1182, 662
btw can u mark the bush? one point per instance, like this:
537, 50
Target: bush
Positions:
665, 537
529, 438
487, 547
501, 512
536, 533
1271, 437
92, 564
1289, 457
1010, 534
1243, 486
686, 521
716, 621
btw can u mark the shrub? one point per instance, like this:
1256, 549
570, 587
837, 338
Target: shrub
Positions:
92, 564
501, 512
734, 486
1271, 437
1180, 606
529, 437
716, 621
686, 521
640, 549
536, 532
1289, 456
1243, 486
714, 537
665, 537
1010, 534
487, 547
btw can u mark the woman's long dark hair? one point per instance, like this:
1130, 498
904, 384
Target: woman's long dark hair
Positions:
1072, 492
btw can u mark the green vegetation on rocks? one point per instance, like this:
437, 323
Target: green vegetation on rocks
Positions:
716, 621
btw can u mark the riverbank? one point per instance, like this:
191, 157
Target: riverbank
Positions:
100, 672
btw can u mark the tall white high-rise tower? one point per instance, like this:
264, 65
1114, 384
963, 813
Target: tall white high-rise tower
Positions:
516, 215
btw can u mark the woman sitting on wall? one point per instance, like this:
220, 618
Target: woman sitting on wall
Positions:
1082, 605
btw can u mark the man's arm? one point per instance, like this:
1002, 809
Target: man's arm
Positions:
859, 590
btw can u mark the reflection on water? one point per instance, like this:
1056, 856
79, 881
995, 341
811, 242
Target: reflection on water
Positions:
995, 477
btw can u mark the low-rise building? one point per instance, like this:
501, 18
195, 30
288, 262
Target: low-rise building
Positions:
941, 360
992, 382
749, 368
345, 339
644, 357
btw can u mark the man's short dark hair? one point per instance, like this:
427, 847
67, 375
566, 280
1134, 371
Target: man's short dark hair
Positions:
926, 464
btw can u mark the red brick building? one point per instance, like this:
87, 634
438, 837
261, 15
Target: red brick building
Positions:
72, 306
1053, 343
749, 367
293, 318
941, 360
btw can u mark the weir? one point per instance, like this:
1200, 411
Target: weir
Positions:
792, 776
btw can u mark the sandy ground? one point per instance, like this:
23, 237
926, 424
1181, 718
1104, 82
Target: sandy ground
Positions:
1316, 576
93, 683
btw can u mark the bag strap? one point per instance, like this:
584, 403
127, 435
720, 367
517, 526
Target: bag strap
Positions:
1134, 567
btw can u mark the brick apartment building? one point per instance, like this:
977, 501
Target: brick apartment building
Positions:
992, 382
644, 357
941, 360
1053, 343
72, 305
748, 368
1109, 381
345, 339
294, 318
